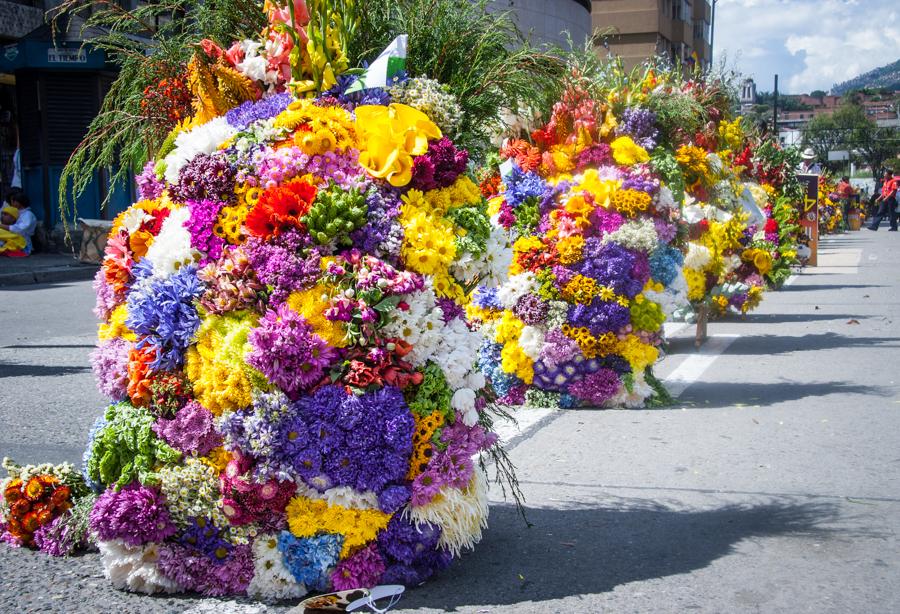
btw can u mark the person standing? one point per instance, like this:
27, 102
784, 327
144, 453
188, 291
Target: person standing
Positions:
808, 164
887, 202
846, 193
24, 226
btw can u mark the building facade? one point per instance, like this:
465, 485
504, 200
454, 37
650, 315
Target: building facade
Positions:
550, 21
636, 30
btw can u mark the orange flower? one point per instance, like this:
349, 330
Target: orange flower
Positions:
280, 208
34, 489
139, 375
139, 242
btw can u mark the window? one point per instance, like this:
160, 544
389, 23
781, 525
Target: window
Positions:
683, 10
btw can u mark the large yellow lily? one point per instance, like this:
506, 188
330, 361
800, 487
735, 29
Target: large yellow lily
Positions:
389, 138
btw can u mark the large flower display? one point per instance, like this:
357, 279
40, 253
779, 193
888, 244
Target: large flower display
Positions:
295, 403
579, 321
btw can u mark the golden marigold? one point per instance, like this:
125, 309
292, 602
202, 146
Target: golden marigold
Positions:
630, 202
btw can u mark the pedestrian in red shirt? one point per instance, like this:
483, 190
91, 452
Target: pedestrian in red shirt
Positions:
887, 202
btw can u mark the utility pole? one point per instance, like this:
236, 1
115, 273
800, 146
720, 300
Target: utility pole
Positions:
775, 110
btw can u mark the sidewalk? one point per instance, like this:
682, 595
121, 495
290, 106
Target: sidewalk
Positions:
43, 268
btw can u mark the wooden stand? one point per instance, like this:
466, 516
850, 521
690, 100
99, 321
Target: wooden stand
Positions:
702, 320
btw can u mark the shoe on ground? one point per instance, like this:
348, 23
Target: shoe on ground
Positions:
870, 228
892, 230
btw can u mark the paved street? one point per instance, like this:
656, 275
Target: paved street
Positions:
773, 485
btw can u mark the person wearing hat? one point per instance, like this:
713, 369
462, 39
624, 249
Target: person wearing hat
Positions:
10, 241
808, 164
888, 202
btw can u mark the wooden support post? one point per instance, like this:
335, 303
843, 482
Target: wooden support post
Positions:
702, 320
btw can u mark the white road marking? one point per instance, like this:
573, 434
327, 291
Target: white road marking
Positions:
690, 370
526, 418
790, 280
673, 328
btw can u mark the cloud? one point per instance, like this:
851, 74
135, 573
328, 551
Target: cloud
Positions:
810, 44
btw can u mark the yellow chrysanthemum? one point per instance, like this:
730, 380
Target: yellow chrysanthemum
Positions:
508, 328
326, 128
570, 249
628, 153
116, 327
309, 517
696, 282
310, 305
513, 359
638, 354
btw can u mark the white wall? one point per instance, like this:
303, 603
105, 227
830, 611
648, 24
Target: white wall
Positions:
547, 20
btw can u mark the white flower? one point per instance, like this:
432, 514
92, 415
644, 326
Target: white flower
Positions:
640, 392
531, 339
171, 249
673, 298
698, 257
205, 138
475, 380
515, 288
420, 325
732, 262
272, 581
461, 514
639, 235
134, 568
665, 199
133, 218
463, 401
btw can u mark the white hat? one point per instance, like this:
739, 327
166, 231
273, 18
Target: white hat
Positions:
808, 154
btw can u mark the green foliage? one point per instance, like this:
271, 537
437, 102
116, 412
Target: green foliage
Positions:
479, 54
127, 449
474, 219
528, 215
664, 163
433, 394
153, 41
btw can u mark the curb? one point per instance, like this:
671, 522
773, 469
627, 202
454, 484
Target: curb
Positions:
48, 275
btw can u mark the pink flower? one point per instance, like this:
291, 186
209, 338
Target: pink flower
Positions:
282, 14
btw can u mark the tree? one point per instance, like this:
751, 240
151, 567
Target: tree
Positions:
817, 94
823, 135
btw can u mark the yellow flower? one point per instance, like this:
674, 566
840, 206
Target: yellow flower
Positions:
570, 249
638, 354
514, 360
630, 202
508, 328
309, 517
389, 137
600, 190
310, 305
581, 289
696, 282
628, 153
116, 326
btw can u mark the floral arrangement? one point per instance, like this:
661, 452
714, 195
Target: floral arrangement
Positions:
595, 267
831, 215
295, 402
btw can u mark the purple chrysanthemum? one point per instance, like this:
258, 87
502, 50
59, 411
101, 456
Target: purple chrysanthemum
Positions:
284, 263
439, 166
248, 112
361, 570
596, 388
148, 184
135, 514
411, 551
203, 218
109, 360
195, 571
205, 177
192, 430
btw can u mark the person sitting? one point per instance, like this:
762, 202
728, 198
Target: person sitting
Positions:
20, 230
10, 241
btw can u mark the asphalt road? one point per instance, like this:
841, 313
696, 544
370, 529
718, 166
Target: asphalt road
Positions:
773, 485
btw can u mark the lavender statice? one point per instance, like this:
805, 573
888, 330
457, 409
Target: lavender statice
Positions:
135, 514
252, 111
192, 431
109, 361
640, 124
162, 312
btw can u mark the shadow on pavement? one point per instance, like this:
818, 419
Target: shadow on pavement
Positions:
587, 550
17, 370
801, 287
776, 318
778, 344
725, 394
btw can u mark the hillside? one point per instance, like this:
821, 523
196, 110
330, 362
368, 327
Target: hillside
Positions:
887, 76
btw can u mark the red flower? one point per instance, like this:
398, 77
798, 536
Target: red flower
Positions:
771, 226
280, 208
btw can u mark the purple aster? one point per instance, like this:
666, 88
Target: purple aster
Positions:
149, 186
287, 351
202, 536
107, 297
363, 96
451, 310
612, 265
531, 309
192, 430
195, 571
135, 514
604, 221
206, 176
600, 316
360, 570
284, 263
393, 498
251, 111
665, 230
411, 552
596, 388
596, 155
640, 125
109, 360
382, 235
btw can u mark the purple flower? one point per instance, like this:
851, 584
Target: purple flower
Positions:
135, 514
451, 310
281, 263
640, 124
611, 265
192, 430
531, 309
411, 552
557, 348
107, 297
604, 221
148, 184
452, 466
60, 537
600, 316
361, 570
439, 166
382, 235
596, 155
248, 112
393, 498
195, 571
206, 176
287, 351
596, 388
202, 536
109, 360
203, 218
522, 186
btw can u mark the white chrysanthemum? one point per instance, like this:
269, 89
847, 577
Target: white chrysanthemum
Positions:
698, 257
455, 353
341, 495
497, 257
133, 218
665, 200
673, 298
732, 262
421, 325
515, 288
461, 514
272, 581
133, 568
205, 138
171, 249
531, 340
463, 401
640, 392
639, 235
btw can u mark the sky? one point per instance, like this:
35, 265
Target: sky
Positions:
811, 45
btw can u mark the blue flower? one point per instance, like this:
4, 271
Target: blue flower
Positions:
665, 263
309, 559
523, 186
